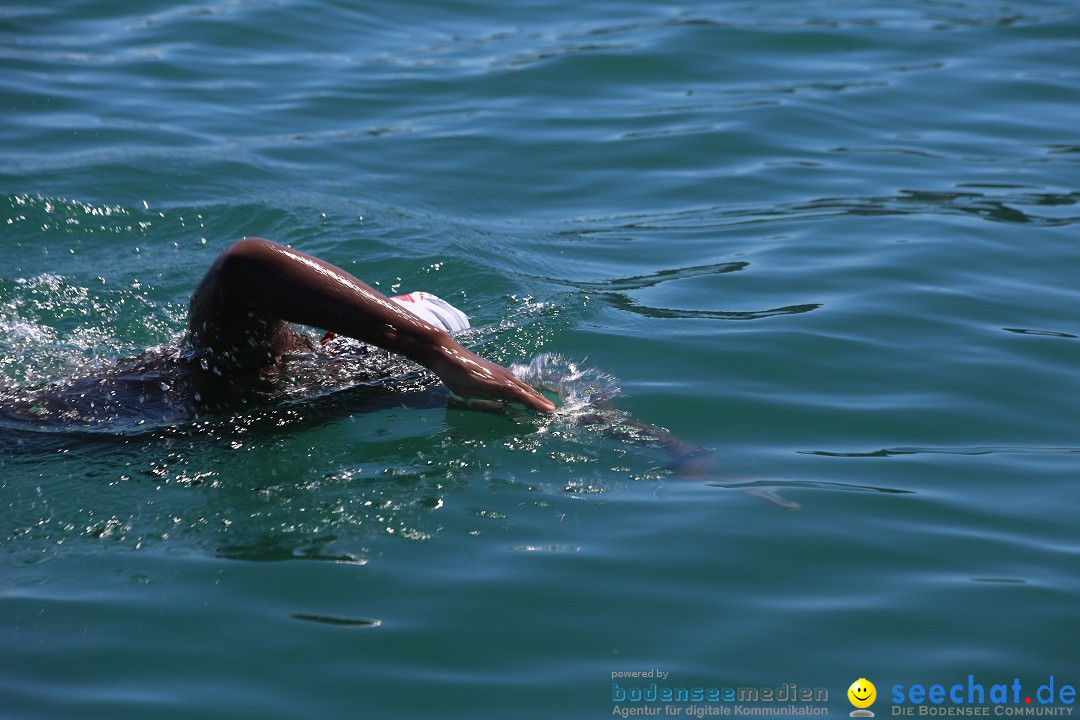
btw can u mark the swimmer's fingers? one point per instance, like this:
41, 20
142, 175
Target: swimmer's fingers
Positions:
530, 397
497, 407
512, 389
513, 409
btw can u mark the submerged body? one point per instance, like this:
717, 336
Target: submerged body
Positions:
168, 386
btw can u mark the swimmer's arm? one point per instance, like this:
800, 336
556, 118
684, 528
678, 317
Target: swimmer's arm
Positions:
256, 284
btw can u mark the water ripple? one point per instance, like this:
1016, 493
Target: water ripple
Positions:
336, 621
999, 208
811, 484
977, 450
622, 302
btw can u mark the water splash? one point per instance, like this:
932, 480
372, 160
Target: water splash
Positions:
578, 387
586, 394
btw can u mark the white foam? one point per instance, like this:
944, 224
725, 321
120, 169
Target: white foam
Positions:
578, 386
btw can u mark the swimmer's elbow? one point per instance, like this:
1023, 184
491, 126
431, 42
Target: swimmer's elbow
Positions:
247, 250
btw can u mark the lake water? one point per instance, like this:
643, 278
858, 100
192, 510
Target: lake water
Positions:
833, 241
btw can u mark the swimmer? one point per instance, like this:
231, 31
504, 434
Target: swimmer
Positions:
239, 336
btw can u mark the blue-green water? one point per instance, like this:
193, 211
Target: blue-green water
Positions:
836, 242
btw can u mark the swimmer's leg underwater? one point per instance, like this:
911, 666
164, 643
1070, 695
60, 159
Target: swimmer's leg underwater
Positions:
687, 460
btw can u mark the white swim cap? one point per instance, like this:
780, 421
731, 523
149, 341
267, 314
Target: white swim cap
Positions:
434, 310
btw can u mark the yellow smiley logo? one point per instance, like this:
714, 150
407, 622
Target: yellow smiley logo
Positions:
862, 693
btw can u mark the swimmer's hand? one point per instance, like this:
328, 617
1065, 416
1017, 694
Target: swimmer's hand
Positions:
470, 376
